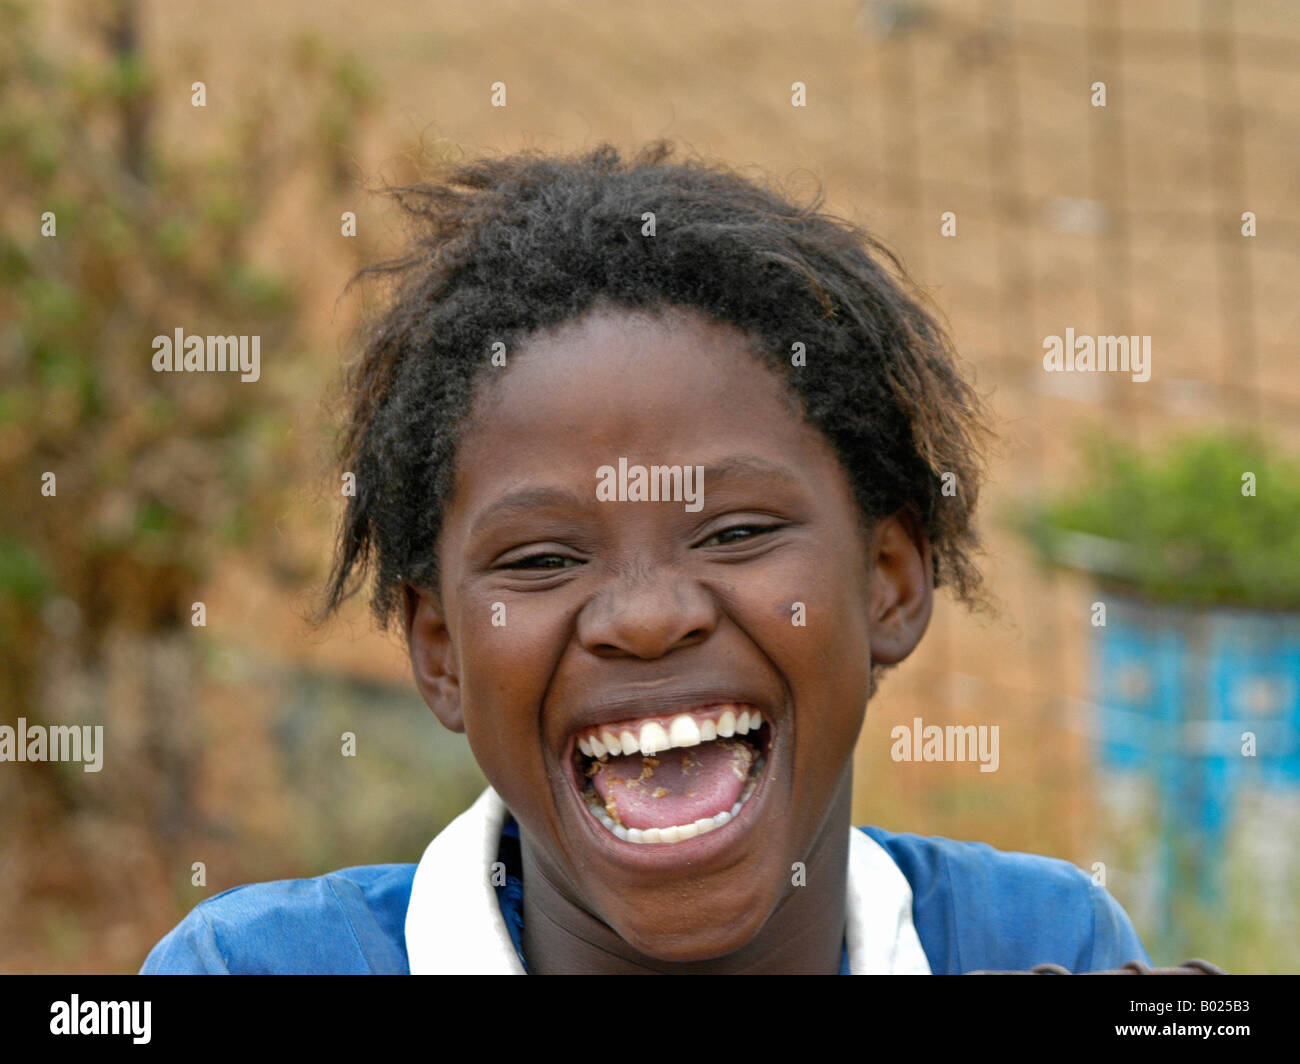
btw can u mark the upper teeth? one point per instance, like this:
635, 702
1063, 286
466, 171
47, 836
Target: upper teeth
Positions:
686, 729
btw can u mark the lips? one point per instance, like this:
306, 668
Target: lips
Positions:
667, 778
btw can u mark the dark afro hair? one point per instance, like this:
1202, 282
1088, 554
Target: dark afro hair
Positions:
504, 247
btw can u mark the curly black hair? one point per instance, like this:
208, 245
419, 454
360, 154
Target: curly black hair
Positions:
504, 247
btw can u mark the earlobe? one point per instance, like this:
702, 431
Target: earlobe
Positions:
432, 659
902, 587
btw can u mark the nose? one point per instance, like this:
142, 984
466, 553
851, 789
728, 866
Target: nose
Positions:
646, 614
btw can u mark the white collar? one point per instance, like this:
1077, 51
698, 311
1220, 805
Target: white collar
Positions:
454, 924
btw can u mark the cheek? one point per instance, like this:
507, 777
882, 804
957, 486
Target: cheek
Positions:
506, 639
504, 663
826, 659
816, 627
511, 644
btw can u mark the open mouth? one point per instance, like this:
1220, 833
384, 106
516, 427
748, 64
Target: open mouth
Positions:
666, 779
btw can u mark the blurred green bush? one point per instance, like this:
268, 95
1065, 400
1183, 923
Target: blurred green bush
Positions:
1213, 519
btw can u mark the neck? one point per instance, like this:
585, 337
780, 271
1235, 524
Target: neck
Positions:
805, 933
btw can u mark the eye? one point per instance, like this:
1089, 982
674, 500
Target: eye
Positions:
738, 534
541, 561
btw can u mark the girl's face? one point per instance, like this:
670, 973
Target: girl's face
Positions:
560, 611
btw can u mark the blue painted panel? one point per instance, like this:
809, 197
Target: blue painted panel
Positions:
1255, 680
1174, 685
1137, 683
1176, 690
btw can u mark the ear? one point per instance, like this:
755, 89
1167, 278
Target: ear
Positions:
902, 586
432, 659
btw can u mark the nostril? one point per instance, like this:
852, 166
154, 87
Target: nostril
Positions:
607, 650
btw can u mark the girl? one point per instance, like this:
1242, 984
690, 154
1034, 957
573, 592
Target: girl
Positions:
649, 465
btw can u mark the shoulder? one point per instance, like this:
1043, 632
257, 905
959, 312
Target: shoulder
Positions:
977, 908
347, 922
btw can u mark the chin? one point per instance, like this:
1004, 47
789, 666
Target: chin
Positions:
682, 934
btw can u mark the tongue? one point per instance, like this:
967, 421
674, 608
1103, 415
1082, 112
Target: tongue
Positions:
678, 786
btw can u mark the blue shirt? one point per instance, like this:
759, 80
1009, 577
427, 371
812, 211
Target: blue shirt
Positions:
974, 908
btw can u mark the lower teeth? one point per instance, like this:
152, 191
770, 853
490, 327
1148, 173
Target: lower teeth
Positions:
678, 832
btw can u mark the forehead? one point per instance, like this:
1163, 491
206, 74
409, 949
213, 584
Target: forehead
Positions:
668, 385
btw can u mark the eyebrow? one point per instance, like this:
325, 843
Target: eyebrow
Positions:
528, 499
748, 465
